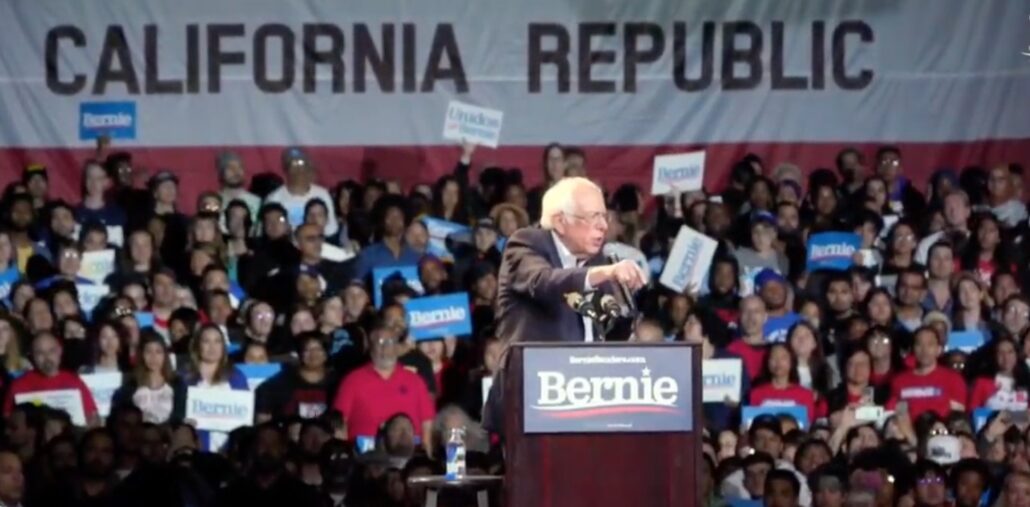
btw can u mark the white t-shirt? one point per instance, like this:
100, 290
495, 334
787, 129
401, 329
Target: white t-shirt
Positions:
295, 204
156, 404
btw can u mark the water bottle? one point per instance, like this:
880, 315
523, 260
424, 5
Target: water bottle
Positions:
455, 448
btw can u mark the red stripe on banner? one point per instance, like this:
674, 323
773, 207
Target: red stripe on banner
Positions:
609, 164
594, 412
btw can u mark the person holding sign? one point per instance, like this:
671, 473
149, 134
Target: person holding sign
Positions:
1005, 384
779, 384
928, 387
94, 206
69, 257
47, 377
390, 218
375, 392
210, 368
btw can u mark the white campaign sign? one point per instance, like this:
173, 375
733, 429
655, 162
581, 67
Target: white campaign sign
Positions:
97, 265
103, 386
689, 260
487, 383
336, 254
90, 295
681, 172
219, 409
473, 124
720, 380
69, 400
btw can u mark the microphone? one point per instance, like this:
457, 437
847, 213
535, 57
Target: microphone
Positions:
631, 305
581, 305
611, 308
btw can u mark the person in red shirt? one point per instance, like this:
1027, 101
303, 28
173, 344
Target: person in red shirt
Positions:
928, 387
1005, 385
778, 383
47, 376
750, 346
373, 393
886, 360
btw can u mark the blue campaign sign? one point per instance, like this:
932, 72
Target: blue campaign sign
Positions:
832, 250
114, 119
440, 230
627, 389
439, 316
966, 341
258, 373
144, 319
798, 412
409, 273
8, 278
776, 328
980, 417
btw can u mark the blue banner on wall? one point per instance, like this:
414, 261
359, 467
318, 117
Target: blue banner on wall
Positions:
832, 250
580, 389
439, 316
379, 275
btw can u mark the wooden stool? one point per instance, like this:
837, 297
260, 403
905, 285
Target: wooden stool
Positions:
481, 484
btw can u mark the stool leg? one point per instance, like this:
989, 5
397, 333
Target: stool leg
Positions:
482, 498
431, 498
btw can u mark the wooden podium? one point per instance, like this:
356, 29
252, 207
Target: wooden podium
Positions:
610, 446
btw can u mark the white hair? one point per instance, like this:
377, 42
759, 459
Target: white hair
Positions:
561, 198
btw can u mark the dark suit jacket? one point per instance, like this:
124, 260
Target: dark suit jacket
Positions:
531, 290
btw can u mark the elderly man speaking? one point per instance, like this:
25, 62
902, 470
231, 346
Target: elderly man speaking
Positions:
541, 265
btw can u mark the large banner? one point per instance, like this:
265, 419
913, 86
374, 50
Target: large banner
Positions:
626, 79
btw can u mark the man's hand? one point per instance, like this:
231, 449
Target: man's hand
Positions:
625, 272
467, 149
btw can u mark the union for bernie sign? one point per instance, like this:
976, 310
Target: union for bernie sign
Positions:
607, 390
681, 172
832, 250
467, 123
439, 316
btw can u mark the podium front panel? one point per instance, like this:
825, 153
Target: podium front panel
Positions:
602, 424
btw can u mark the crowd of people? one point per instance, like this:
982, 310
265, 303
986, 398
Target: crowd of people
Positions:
910, 367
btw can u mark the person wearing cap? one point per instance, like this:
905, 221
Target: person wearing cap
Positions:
233, 178
38, 184
483, 248
775, 291
300, 188
760, 254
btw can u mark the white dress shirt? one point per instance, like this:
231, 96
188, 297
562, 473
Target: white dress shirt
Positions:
570, 261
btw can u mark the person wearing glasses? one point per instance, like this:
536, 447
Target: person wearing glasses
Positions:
377, 391
69, 260
903, 198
